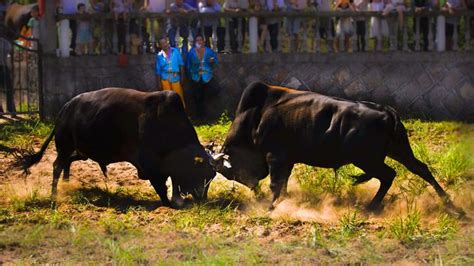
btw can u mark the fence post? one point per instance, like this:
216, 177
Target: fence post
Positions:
440, 33
48, 28
253, 34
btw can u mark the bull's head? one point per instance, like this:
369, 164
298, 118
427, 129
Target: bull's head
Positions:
190, 170
244, 165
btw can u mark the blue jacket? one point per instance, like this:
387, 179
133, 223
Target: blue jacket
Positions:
201, 69
169, 69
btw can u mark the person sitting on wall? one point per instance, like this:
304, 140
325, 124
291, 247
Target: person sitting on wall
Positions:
169, 68
200, 63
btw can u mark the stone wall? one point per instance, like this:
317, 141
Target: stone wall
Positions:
438, 86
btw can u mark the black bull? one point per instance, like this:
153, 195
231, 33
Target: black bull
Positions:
276, 127
149, 130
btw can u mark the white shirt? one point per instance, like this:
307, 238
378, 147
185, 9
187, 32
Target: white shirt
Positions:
156, 6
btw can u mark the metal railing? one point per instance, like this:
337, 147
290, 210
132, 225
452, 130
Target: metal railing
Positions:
243, 31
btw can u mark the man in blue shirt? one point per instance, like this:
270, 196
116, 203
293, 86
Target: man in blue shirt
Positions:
169, 68
200, 64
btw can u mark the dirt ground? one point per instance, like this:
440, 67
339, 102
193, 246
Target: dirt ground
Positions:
120, 220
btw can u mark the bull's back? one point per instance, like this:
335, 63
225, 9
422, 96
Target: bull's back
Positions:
103, 124
320, 130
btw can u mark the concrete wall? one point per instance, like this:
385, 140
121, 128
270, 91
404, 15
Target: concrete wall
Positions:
435, 86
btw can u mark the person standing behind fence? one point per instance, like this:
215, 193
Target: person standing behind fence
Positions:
69, 7
420, 6
452, 6
326, 28
169, 68
181, 24
378, 26
5, 75
294, 24
273, 24
200, 63
207, 24
84, 36
154, 6
233, 26
361, 5
344, 28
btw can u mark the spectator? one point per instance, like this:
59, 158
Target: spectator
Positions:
326, 26
233, 27
206, 24
452, 6
378, 26
120, 8
33, 26
174, 23
294, 24
3, 9
273, 24
100, 7
5, 75
361, 5
84, 37
169, 68
344, 27
420, 6
200, 63
193, 3
153, 6
397, 6
69, 7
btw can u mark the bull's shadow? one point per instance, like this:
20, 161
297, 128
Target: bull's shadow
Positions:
118, 199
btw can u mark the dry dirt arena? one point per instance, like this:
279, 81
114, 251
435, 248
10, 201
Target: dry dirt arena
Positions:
119, 220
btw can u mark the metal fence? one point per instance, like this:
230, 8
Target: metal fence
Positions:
21, 80
249, 32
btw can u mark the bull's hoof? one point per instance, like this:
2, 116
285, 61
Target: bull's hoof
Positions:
375, 208
360, 179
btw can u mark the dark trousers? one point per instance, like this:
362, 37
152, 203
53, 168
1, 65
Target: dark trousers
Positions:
199, 88
73, 27
424, 29
220, 39
121, 35
273, 31
184, 33
360, 30
7, 87
208, 36
234, 31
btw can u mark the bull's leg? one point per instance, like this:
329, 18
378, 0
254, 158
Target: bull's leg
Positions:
279, 174
159, 184
67, 166
386, 175
58, 167
362, 178
176, 198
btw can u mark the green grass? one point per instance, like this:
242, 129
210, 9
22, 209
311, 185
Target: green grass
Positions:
126, 225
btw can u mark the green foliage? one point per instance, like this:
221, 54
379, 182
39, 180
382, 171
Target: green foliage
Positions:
125, 255
351, 223
23, 133
32, 201
214, 132
408, 228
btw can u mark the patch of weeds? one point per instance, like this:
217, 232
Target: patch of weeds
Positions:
200, 216
115, 224
351, 223
316, 182
6, 217
214, 132
446, 228
407, 229
31, 202
125, 255
316, 238
58, 220
22, 133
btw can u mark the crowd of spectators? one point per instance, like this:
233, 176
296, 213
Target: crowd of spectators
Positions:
88, 37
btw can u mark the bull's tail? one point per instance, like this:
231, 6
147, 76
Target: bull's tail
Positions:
28, 158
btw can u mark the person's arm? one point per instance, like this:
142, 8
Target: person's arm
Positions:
213, 58
158, 73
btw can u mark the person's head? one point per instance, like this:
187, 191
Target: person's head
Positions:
163, 42
179, 2
81, 8
209, 2
199, 41
35, 11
